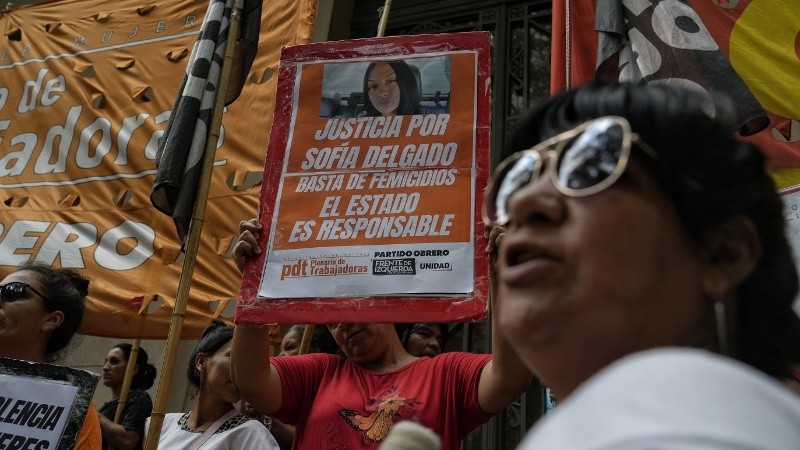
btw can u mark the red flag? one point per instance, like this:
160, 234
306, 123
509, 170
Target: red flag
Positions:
760, 38
768, 67
574, 46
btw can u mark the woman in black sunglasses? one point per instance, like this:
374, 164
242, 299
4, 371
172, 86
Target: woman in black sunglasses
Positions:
644, 273
40, 310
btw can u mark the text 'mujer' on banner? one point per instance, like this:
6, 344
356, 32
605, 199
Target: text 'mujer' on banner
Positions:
370, 204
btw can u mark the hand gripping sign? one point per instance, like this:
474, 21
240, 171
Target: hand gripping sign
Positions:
372, 183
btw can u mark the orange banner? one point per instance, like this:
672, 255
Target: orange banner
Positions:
86, 88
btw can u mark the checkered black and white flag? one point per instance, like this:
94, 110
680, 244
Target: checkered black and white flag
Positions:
180, 154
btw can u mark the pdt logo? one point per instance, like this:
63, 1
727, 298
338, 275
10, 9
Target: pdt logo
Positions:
298, 269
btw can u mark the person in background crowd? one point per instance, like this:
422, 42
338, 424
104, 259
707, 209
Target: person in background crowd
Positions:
40, 310
352, 401
213, 422
390, 88
321, 341
644, 274
128, 434
423, 339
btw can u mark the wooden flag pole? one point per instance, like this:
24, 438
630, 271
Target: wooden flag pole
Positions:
305, 343
126, 383
193, 240
384, 17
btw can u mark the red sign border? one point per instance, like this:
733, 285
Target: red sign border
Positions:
253, 310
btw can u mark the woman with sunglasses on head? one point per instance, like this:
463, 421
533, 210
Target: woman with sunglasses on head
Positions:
128, 433
214, 422
40, 310
644, 274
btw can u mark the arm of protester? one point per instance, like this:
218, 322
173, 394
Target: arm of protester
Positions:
283, 434
255, 378
118, 437
505, 377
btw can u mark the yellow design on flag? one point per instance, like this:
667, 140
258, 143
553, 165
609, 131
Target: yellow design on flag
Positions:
86, 88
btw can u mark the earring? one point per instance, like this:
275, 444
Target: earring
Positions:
721, 319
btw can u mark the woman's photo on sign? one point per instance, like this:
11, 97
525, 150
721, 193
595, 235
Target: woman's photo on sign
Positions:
386, 87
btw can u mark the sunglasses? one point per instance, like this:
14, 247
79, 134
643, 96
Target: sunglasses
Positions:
586, 160
15, 290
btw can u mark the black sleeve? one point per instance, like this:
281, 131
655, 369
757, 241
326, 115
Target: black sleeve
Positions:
136, 412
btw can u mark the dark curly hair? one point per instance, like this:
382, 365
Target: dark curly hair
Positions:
144, 378
64, 290
711, 177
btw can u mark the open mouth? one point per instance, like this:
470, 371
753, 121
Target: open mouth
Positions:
526, 252
527, 262
522, 256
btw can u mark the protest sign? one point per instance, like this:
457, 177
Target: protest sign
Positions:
42, 406
373, 217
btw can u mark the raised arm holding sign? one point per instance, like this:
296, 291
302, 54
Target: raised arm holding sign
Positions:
370, 215
377, 380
